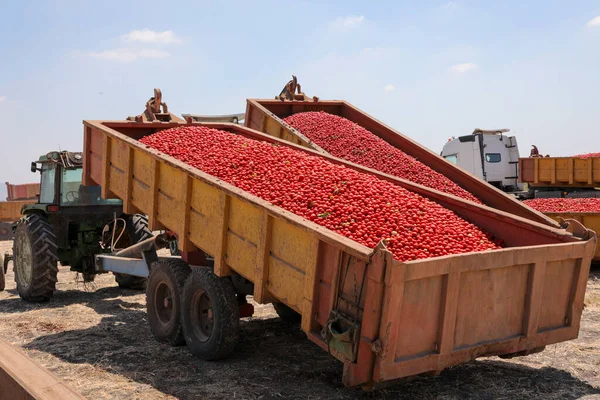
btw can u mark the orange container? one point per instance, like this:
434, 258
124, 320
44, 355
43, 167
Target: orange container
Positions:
383, 319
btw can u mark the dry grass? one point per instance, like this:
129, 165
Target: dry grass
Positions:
98, 341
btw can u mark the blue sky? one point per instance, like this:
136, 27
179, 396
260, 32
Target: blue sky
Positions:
430, 69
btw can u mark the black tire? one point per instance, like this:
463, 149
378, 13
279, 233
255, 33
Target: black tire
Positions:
163, 299
136, 231
287, 314
35, 259
210, 315
2, 278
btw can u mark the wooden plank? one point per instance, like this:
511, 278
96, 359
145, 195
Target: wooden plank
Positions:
24, 379
127, 206
221, 267
534, 298
153, 222
448, 327
310, 286
590, 172
571, 170
184, 241
105, 192
261, 295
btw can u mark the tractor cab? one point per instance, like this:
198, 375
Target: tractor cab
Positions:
61, 183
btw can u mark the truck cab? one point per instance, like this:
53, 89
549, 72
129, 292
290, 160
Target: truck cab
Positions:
489, 154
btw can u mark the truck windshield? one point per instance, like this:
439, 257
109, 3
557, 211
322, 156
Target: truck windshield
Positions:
73, 193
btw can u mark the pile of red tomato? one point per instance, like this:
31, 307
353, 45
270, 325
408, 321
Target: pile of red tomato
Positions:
357, 205
344, 139
563, 205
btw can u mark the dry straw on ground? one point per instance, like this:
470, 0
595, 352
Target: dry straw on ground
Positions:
97, 340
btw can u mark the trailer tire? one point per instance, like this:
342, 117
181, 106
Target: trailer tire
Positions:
163, 299
35, 259
287, 314
137, 230
211, 315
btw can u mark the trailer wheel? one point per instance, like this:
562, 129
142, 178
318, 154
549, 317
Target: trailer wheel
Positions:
163, 299
35, 259
210, 315
287, 314
136, 231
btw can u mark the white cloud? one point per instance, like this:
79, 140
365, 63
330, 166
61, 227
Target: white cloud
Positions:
466, 67
148, 36
389, 88
128, 55
2, 99
343, 24
594, 22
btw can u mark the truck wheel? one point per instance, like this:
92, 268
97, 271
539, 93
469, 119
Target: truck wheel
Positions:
35, 259
163, 299
287, 314
136, 231
210, 315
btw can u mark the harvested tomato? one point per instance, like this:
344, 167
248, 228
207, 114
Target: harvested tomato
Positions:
587, 155
357, 205
343, 138
565, 204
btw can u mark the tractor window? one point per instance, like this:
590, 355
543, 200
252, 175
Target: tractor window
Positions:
453, 158
493, 157
47, 184
69, 188
73, 193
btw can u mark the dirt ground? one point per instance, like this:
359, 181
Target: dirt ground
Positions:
97, 340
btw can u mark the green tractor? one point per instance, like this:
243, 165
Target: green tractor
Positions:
70, 224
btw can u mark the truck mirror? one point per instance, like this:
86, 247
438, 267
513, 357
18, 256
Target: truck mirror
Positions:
34, 167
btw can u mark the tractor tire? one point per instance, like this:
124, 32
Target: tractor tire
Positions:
136, 231
163, 299
2, 277
35, 259
210, 315
287, 314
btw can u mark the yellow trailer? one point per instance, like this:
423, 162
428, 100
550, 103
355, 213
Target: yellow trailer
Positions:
560, 172
384, 319
589, 220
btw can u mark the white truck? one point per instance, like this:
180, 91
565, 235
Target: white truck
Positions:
489, 154
493, 156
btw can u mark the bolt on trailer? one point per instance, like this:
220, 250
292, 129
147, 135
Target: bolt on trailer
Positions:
357, 303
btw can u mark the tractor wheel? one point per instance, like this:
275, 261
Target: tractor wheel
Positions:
136, 231
287, 314
2, 279
35, 259
211, 315
5, 231
163, 299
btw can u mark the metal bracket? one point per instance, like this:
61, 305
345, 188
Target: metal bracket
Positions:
342, 335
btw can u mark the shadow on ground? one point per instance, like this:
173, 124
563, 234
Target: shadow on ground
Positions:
273, 360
